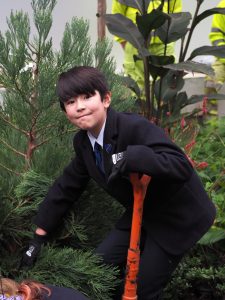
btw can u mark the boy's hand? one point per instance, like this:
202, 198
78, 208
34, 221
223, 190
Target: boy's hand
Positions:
119, 166
31, 253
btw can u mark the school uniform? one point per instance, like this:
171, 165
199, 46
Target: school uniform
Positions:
177, 211
60, 293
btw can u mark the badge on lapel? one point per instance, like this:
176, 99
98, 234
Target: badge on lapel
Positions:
108, 148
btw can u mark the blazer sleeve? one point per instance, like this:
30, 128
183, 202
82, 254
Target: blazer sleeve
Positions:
154, 154
63, 193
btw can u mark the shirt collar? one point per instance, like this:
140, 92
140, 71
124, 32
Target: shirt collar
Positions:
99, 138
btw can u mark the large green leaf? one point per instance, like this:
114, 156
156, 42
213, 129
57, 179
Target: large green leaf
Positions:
218, 51
207, 13
167, 87
123, 27
192, 66
146, 23
156, 64
140, 5
214, 235
161, 60
198, 98
175, 105
131, 84
179, 102
178, 27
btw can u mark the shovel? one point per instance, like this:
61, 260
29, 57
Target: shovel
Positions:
133, 256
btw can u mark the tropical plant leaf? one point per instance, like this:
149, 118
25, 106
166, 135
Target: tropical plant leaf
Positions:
161, 60
175, 29
214, 235
156, 62
146, 23
179, 102
207, 13
191, 66
131, 84
140, 5
218, 51
198, 98
123, 27
167, 88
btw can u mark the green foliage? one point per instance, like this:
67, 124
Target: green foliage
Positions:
17, 210
33, 129
67, 267
210, 145
164, 95
75, 269
200, 275
81, 227
36, 144
15, 227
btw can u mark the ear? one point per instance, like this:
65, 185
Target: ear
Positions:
26, 291
107, 99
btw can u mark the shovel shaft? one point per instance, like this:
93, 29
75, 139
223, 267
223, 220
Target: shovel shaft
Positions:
133, 256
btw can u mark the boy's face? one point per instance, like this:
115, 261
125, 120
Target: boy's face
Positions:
88, 112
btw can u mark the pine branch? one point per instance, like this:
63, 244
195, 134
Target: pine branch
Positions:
32, 50
39, 130
12, 148
75, 269
10, 170
13, 125
58, 135
13, 211
20, 92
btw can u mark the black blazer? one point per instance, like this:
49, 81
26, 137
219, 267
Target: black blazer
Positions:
60, 293
177, 210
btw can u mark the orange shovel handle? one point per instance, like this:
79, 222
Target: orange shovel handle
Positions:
133, 256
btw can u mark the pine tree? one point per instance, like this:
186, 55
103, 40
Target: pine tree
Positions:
35, 145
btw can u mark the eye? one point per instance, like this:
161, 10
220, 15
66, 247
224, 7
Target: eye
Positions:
86, 97
70, 101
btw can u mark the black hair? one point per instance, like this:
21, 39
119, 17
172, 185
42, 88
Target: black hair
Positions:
80, 80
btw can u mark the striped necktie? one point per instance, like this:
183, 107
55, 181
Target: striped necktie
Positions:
98, 157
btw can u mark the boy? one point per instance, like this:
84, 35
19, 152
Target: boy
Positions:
177, 210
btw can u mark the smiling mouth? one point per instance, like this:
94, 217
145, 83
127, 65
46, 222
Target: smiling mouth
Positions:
79, 117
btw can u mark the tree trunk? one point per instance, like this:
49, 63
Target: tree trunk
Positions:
101, 21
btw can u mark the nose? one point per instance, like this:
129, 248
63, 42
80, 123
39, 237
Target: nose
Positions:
80, 104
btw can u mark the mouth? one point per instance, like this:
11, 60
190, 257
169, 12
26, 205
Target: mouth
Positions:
80, 117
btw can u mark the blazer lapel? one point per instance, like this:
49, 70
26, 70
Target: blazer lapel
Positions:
109, 141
